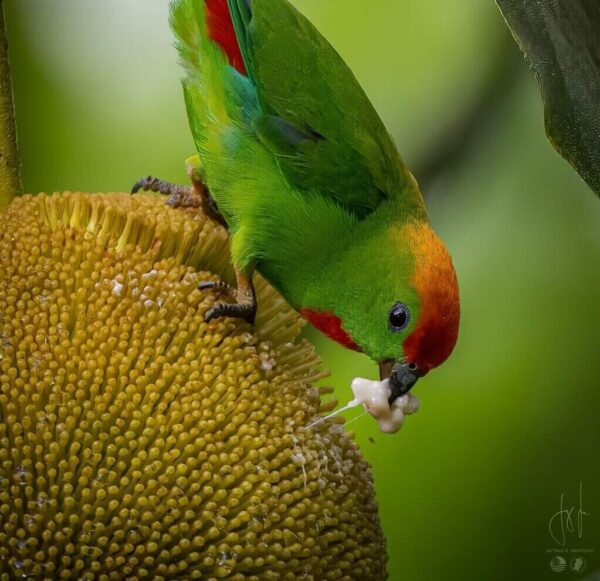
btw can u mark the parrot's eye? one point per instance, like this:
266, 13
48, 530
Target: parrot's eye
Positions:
399, 317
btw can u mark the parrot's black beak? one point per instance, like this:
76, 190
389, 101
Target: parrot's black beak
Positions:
402, 376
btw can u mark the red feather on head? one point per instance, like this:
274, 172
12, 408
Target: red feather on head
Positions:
222, 32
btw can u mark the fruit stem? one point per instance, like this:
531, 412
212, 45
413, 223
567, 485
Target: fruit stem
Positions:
10, 179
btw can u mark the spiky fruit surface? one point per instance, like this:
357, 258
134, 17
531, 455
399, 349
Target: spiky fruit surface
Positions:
137, 441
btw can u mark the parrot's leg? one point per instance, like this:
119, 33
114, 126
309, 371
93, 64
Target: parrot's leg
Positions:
180, 196
244, 306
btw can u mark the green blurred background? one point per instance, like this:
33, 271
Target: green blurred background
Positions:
511, 422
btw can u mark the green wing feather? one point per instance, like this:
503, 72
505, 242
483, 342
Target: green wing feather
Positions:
317, 119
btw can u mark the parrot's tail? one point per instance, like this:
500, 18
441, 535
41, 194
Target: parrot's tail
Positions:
204, 64
200, 23
222, 104
218, 93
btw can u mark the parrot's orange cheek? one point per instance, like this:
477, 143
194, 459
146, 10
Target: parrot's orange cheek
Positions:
433, 339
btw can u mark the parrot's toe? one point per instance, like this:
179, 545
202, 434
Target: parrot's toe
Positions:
179, 196
244, 311
215, 285
243, 305
185, 197
141, 185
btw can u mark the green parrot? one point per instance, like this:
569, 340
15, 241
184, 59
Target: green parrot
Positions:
311, 186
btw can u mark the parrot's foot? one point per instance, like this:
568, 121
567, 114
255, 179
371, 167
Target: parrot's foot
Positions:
238, 310
244, 305
180, 196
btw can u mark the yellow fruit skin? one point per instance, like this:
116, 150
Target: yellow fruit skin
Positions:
138, 441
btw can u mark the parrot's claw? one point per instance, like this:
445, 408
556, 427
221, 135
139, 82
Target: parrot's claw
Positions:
179, 196
246, 311
215, 285
244, 305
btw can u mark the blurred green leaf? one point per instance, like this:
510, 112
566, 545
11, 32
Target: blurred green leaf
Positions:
561, 38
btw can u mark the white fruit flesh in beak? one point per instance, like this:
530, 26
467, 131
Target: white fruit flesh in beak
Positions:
375, 396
